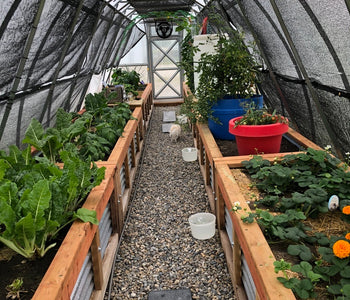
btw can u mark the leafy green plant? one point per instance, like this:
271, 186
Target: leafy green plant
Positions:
232, 70
296, 189
92, 134
38, 199
129, 79
304, 287
187, 56
256, 116
14, 289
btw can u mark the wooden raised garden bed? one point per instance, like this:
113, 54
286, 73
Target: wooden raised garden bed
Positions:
209, 150
145, 102
82, 265
248, 255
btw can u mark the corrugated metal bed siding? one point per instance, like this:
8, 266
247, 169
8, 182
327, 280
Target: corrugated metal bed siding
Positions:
247, 279
85, 284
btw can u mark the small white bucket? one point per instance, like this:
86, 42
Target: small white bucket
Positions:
202, 225
189, 154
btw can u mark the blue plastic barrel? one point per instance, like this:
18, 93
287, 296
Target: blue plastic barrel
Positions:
226, 109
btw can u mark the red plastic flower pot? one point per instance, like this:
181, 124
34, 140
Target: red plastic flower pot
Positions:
257, 139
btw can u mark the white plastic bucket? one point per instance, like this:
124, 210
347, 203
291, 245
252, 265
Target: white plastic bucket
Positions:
189, 154
202, 225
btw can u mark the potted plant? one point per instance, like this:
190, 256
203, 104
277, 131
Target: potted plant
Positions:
227, 79
130, 80
258, 131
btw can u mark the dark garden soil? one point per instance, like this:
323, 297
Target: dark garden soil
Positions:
229, 148
13, 266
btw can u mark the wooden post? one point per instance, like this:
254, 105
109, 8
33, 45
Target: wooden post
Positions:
127, 170
237, 260
220, 209
118, 201
114, 212
133, 152
97, 261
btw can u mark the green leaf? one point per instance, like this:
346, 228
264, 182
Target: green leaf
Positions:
302, 268
306, 284
25, 233
8, 193
3, 167
38, 201
302, 251
7, 217
346, 290
86, 215
334, 289
63, 119
34, 134
345, 272
326, 253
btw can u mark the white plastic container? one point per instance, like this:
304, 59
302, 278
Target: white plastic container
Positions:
189, 154
202, 225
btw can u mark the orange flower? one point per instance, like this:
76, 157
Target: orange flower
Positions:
341, 249
347, 236
346, 210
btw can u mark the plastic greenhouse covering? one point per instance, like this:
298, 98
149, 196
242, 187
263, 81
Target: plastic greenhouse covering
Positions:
50, 49
48, 52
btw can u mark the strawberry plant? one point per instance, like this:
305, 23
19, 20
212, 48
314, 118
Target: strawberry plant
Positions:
295, 191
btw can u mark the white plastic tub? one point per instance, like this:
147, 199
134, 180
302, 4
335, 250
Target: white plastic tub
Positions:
189, 154
202, 225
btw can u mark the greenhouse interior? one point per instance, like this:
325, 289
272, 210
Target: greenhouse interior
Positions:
179, 149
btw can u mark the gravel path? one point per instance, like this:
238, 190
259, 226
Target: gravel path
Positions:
157, 251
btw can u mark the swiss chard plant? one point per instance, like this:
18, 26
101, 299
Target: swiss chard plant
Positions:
38, 199
294, 191
91, 135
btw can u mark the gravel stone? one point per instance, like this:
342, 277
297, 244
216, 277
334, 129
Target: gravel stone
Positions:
157, 250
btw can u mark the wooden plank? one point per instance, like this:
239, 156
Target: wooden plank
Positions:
114, 213
97, 261
300, 139
236, 161
220, 209
127, 172
209, 142
118, 201
256, 250
133, 152
107, 264
138, 139
59, 280
100, 195
201, 150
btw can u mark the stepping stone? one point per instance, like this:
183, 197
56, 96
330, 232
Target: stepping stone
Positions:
166, 127
169, 116
180, 294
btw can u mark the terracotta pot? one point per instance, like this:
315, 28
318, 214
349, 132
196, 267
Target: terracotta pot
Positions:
257, 139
